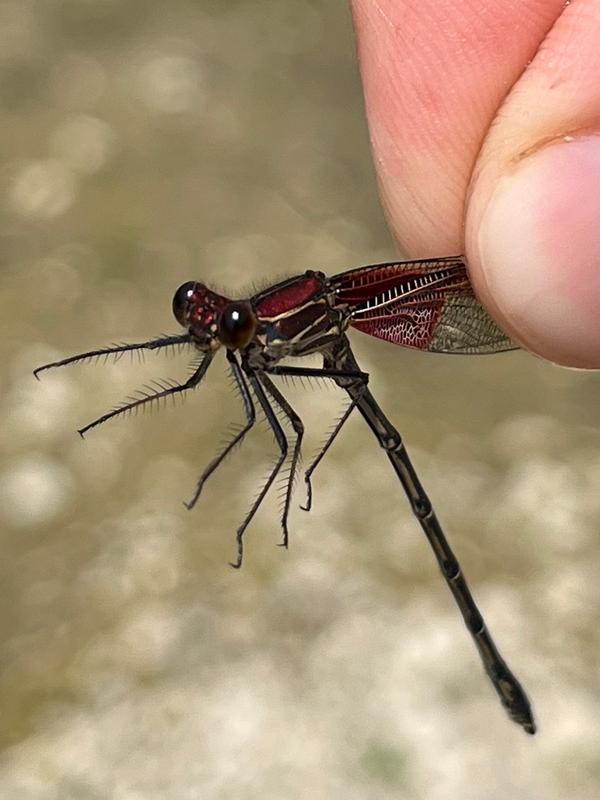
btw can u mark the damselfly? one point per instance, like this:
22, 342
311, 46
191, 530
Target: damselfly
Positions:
427, 304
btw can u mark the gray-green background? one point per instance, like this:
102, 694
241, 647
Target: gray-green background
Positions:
146, 143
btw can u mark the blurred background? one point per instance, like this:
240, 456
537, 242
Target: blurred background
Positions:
145, 144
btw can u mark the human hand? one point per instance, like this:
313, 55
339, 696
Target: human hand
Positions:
485, 125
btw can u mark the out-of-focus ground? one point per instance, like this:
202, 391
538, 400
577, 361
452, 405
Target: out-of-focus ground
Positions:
146, 143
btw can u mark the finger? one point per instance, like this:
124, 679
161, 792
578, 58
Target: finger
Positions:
533, 219
434, 74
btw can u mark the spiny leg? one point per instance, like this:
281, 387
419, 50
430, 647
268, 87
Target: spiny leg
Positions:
283, 451
510, 691
361, 378
152, 344
318, 458
153, 396
298, 428
250, 420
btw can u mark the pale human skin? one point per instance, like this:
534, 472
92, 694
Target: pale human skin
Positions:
484, 117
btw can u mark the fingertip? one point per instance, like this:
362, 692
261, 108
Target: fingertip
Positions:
533, 242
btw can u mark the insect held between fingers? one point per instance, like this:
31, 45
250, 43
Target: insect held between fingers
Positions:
426, 304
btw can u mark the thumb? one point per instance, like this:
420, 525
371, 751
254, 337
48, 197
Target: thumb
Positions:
533, 213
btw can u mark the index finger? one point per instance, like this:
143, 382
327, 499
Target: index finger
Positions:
434, 74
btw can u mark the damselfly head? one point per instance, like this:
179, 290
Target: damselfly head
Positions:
213, 320
199, 310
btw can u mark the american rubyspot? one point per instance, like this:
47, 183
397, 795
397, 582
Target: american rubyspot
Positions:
426, 304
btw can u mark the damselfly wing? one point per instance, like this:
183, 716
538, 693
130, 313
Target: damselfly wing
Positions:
427, 304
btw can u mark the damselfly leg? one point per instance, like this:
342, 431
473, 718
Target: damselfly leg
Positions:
160, 390
298, 428
361, 379
250, 413
282, 443
117, 350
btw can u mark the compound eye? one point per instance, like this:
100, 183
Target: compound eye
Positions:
237, 325
181, 301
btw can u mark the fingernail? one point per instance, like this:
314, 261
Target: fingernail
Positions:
539, 249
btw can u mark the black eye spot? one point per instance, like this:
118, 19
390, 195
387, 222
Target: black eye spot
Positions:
181, 301
237, 325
